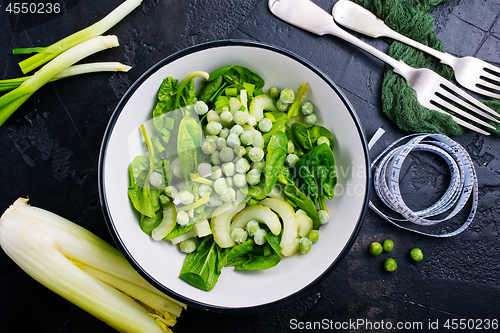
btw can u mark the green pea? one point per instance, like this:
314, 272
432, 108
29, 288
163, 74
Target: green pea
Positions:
416, 254
313, 235
390, 265
388, 245
274, 92
375, 248
305, 245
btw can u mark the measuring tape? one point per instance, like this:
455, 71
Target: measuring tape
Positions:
463, 185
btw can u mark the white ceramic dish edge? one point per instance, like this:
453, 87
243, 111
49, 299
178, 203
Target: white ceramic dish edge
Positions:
287, 279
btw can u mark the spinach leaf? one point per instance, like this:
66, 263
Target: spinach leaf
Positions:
144, 199
188, 147
239, 250
238, 74
275, 158
316, 173
211, 89
257, 192
202, 267
305, 136
226, 76
178, 230
258, 261
147, 224
166, 96
186, 94
298, 198
201, 213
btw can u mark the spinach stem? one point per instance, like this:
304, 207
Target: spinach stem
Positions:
184, 82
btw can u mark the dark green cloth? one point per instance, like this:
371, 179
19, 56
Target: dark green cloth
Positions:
399, 102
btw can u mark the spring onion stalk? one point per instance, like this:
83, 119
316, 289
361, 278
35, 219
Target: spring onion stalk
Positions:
198, 178
84, 269
9, 84
48, 53
294, 108
50, 70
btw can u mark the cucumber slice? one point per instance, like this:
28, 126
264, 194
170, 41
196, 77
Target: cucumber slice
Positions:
221, 221
259, 213
285, 211
259, 104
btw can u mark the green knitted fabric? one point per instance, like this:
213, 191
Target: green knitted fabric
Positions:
399, 102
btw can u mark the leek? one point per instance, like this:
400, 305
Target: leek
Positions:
48, 53
9, 84
11, 101
84, 269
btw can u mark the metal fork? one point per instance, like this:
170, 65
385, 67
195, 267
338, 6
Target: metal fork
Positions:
472, 73
433, 91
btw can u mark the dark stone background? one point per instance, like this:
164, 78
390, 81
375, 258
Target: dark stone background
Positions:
49, 151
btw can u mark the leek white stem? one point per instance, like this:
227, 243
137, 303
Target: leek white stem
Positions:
94, 30
161, 304
82, 246
40, 243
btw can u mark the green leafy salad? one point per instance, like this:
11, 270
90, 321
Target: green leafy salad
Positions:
234, 175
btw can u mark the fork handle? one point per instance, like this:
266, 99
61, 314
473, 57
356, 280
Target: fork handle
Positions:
333, 29
359, 19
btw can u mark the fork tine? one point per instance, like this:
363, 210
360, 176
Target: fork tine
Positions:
445, 104
490, 76
490, 79
459, 121
470, 102
480, 89
494, 69
468, 125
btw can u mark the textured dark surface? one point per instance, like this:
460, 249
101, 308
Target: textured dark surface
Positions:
49, 151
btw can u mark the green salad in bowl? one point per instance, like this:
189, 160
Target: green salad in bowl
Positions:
232, 173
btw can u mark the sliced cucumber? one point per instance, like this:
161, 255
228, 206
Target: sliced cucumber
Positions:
167, 224
260, 103
291, 249
259, 213
221, 221
202, 228
305, 225
285, 211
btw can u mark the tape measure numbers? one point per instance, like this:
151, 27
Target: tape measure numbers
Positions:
463, 186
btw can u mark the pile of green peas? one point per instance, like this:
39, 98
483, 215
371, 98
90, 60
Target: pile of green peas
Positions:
390, 264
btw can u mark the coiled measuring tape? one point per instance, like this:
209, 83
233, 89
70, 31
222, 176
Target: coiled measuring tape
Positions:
463, 185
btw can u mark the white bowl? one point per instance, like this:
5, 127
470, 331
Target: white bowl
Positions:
161, 262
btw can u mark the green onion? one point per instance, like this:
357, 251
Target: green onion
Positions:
295, 107
48, 53
84, 269
249, 88
11, 101
231, 91
10, 84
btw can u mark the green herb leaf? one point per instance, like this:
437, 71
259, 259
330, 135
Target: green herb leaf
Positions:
305, 136
275, 158
202, 267
316, 173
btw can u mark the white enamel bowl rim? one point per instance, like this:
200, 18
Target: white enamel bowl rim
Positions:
160, 262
